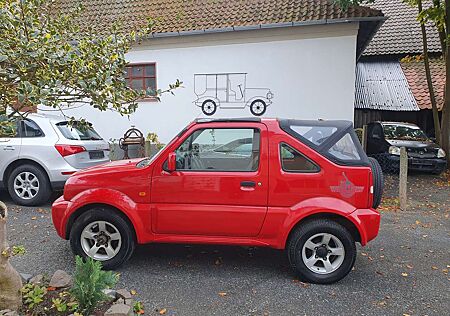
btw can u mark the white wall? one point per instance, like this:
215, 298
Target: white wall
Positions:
310, 70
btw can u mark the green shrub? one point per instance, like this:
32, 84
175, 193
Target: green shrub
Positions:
33, 294
89, 282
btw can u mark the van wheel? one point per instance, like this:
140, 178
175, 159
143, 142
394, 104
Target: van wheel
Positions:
209, 107
258, 107
102, 235
28, 185
321, 251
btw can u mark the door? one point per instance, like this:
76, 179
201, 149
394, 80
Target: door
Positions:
220, 186
9, 151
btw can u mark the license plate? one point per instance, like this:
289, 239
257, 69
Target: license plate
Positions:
96, 154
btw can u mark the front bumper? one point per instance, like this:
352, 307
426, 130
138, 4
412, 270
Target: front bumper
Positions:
419, 164
368, 223
59, 212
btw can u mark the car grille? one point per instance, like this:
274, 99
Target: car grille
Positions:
422, 153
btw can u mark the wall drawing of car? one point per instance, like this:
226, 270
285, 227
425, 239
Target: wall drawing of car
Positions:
229, 91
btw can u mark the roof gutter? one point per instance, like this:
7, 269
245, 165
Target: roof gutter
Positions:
267, 26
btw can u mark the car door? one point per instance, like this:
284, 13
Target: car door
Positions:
220, 185
9, 151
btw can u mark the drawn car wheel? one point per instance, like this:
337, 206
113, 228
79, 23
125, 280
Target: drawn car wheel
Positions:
102, 235
321, 251
209, 107
28, 185
258, 107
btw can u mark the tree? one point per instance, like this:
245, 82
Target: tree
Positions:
48, 59
438, 14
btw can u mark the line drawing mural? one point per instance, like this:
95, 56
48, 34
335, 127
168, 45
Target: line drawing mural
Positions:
229, 91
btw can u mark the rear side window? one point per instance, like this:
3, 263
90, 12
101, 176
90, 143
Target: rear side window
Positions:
294, 161
29, 128
345, 149
315, 134
220, 149
75, 132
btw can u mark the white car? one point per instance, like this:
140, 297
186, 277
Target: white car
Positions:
45, 152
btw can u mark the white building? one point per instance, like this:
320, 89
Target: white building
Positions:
296, 58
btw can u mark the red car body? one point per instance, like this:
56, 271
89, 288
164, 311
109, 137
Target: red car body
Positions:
214, 207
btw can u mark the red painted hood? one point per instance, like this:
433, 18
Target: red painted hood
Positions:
112, 166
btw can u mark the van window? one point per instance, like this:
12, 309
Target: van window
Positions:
345, 149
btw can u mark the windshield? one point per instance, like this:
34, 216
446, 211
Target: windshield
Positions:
403, 132
78, 133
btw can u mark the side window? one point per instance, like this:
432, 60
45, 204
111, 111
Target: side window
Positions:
293, 161
345, 149
29, 128
220, 149
377, 132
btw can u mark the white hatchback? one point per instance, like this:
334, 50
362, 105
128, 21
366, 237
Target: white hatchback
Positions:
45, 152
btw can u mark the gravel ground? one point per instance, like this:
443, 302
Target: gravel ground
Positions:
402, 272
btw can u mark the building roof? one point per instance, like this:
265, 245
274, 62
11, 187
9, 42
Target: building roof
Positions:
182, 17
401, 33
383, 86
415, 74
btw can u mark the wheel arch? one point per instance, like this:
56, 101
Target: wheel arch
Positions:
19, 162
85, 208
342, 220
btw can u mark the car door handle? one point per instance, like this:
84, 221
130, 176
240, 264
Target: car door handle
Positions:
248, 184
9, 148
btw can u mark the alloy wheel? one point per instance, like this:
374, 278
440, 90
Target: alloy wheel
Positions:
26, 185
101, 240
323, 253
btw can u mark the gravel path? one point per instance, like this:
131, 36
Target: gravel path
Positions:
403, 271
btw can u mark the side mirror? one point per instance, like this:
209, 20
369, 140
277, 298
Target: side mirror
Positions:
172, 162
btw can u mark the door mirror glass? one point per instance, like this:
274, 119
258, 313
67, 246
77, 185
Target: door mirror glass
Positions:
172, 162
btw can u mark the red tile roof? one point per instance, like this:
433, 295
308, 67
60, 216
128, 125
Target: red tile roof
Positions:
196, 15
415, 74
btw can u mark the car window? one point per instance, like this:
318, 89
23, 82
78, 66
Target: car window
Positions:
221, 149
75, 132
345, 149
403, 132
294, 161
28, 128
315, 134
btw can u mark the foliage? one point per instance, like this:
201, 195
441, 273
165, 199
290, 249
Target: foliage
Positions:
50, 60
89, 282
346, 3
435, 13
138, 308
18, 250
33, 294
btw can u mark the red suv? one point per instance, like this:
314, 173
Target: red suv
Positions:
304, 186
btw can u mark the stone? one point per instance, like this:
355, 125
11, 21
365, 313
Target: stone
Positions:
8, 312
26, 277
38, 279
120, 301
129, 301
111, 294
123, 293
60, 279
119, 310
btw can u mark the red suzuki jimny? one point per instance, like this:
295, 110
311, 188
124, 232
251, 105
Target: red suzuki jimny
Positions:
304, 186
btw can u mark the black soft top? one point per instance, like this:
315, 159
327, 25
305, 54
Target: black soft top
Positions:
338, 128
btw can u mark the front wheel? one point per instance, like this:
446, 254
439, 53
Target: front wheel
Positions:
258, 107
321, 251
209, 107
28, 185
102, 235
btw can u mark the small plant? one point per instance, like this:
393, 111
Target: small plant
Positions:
33, 294
18, 250
138, 308
89, 282
59, 304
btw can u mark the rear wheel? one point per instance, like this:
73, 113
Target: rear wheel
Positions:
209, 107
102, 235
258, 107
321, 251
28, 185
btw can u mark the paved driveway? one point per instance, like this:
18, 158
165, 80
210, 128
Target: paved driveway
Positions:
403, 271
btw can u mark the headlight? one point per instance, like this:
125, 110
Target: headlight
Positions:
269, 95
441, 153
394, 150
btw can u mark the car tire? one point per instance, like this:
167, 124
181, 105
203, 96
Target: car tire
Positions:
258, 107
321, 270
378, 182
28, 185
209, 107
88, 224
